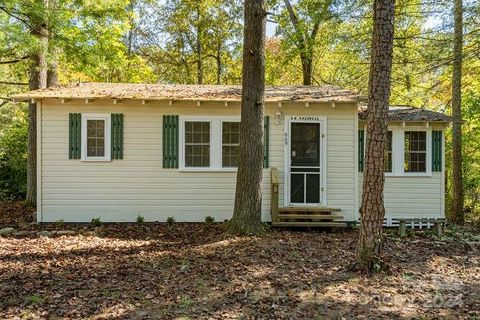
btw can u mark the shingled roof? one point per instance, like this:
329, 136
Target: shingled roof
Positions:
408, 113
99, 90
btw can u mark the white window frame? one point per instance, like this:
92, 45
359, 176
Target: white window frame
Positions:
96, 116
398, 150
428, 158
215, 142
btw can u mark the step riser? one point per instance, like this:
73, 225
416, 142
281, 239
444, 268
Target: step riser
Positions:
310, 216
308, 224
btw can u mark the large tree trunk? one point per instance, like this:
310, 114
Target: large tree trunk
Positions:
38, 80
248, 197
458, 197
372, 211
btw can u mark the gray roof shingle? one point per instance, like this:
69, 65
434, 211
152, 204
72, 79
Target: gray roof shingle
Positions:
93, 90
407, 113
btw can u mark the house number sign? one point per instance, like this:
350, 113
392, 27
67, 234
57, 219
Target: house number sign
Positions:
306, 118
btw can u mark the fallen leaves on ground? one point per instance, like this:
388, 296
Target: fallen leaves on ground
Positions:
196, 271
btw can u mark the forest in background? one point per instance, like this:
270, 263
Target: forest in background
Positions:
199, 42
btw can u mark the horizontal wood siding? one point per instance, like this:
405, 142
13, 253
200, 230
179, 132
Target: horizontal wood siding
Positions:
120, 190
410, 197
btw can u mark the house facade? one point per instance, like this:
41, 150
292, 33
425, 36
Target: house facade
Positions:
117, 151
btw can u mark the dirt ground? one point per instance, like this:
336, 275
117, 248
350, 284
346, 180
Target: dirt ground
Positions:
196, 271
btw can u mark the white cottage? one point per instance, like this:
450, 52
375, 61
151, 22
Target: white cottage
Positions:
116, 151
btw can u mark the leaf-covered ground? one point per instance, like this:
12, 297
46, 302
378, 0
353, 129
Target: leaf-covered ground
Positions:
195, 271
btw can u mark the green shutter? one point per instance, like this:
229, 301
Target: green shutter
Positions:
117, 136
75, 135
436, 151
361, 150
170, 141
266, 142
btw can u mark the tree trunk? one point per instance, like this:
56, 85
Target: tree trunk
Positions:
218, 58
38, 80
248, 197
199, 49
372, 211
306, 69
52, 72
131, 11
458, 197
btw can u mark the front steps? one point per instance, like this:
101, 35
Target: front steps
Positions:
301, 216
308, 217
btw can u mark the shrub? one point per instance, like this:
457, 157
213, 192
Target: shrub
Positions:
140, 219
13, 161
185, 302
209, 219
170, 220
34, 299
60, 222
96, 222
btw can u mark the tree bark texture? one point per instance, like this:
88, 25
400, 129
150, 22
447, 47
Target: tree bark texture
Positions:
37, 80
372, 211
457, 180
248, 197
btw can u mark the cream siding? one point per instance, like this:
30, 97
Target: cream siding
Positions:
119, 190
413, 196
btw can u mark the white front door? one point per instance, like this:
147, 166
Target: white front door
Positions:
305, 163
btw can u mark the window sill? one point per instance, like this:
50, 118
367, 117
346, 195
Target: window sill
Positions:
95, 160
207, 170
402, 175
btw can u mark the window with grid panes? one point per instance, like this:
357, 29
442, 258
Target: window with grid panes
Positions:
415, 144
230, 144
197, 144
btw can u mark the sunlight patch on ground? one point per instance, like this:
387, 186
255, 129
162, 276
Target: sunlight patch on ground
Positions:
118, 311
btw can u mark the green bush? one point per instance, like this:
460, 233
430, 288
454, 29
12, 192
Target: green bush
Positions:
140, 219
209, 219
96, 222
13, 161
170, 220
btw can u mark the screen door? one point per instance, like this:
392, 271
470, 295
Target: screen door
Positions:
305, 163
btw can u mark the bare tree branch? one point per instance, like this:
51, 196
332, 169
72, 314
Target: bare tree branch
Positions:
14, 60
14, 83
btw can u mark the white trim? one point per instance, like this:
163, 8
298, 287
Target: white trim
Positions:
322, 121
428, 165
398, 150
356, 213
215, 143
442, 175
39, 162
96, 116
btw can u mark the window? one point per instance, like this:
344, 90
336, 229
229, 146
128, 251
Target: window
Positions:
197, 144
388, 162
209, 143
96, 137
415, 156
230, 144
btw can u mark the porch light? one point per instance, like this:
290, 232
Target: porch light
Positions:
278, 118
